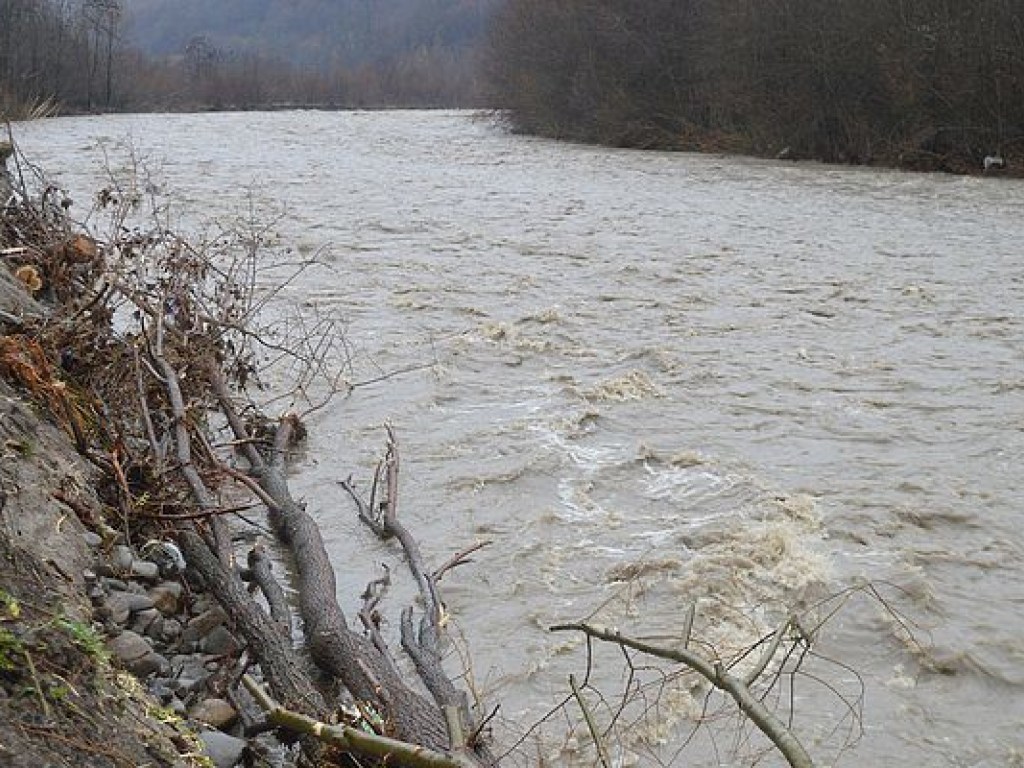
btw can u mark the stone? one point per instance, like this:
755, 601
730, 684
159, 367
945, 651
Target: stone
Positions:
190, 674
166, 597
121, 558
203, 603
143, 622
139, 601
154, 664
219, 642
129, 646
216, 713
145, 570
170, 631
92, 539
161, 691
223, 750
114, 585
123, 604
117, 609
136, 655
200, 626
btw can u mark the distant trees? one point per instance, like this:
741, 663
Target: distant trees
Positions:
934, 83
75, 55
40, 53
103, 20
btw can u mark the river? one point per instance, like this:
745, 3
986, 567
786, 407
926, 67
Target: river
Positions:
654, 380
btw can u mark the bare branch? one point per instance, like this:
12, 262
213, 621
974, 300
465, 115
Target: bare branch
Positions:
716, 674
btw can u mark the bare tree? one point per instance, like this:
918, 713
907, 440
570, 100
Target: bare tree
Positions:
103, 21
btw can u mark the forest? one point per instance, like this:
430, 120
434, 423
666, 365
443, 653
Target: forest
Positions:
927, 84
109, 55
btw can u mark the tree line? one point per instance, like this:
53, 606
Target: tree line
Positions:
52, 52
923, 83
75, 56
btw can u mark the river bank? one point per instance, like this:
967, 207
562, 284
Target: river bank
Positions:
129, 347
109, 655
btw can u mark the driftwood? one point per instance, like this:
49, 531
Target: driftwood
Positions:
423, 647
278, 660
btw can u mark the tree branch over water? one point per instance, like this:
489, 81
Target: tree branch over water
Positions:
716, 674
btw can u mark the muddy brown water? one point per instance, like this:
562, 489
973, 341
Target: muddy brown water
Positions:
742, 383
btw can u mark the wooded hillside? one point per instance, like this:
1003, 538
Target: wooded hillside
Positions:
312, 32
924, 83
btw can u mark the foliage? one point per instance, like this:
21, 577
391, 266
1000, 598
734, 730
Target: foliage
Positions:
10, 650
86, 638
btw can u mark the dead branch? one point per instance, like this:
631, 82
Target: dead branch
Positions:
388, 751
424, 647
262, 573
716, 674
459, 558
361, 667
602, 750
369, 616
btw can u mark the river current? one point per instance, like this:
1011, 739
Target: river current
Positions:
653, 381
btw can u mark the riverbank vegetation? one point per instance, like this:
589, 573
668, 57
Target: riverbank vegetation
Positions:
923, 84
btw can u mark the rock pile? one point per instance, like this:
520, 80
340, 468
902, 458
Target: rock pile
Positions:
175, 640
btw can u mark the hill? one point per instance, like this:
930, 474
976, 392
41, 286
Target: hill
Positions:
323, 34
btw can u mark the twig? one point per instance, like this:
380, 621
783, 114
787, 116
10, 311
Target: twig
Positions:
147, 420
43, 703
459, 558
591, 724
687, 632
200, 515
769, 653
474, 737
372, 596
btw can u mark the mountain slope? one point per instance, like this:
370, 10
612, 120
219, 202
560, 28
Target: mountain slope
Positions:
320, 33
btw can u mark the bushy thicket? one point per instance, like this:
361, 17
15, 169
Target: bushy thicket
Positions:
931, 83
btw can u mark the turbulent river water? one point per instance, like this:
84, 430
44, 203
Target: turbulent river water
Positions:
654, 381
